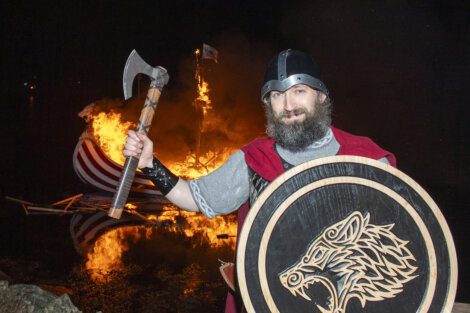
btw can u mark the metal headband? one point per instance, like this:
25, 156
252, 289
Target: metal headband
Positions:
283, 85
281, 65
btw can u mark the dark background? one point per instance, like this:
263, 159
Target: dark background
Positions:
398, 72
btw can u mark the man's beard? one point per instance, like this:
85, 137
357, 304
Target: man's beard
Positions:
297, 136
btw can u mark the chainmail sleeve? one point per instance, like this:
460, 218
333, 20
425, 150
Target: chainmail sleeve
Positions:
225, 189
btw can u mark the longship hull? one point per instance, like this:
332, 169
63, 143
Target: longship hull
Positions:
93, 167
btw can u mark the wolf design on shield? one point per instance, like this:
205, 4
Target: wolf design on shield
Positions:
367, 261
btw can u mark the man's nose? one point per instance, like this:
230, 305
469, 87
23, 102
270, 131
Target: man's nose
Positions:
289, 103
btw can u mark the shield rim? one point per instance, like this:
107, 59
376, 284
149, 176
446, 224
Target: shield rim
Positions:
274, 185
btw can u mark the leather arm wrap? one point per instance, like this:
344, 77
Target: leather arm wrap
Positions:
160, 176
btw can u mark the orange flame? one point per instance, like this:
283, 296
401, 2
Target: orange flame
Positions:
110, 133
198, 223
202, 101
193, 168
105, 256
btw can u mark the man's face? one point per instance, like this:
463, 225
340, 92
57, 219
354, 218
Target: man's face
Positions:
295, 104
297, 117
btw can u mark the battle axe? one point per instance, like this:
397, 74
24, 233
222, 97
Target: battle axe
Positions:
159, 77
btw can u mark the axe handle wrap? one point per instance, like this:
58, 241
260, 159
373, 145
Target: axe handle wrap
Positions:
124, 187
146, 115
130, 166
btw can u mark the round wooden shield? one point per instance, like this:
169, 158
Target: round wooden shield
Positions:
346, 234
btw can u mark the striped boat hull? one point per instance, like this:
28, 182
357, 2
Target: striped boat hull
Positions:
85, 229
93, 167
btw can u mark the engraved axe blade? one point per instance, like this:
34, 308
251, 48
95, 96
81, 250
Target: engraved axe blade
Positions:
136, 65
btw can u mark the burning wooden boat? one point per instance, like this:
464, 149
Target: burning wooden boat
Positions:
95, 168
97, 161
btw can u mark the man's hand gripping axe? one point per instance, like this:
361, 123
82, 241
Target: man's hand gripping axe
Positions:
159, 77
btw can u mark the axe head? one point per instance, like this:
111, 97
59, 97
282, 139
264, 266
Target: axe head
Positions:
136, 65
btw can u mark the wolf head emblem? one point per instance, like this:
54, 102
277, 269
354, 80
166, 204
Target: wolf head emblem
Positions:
352, 259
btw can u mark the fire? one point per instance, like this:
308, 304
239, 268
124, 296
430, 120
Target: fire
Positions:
110, 133
202, 102
106, 253
105, 256
194, 166
213, 229
203, 90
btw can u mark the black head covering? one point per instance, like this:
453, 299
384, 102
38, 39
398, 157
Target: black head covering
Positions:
289, 68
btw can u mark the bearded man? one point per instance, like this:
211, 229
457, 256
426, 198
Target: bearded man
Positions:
298, 113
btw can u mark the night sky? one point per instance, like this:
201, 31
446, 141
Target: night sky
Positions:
397, 72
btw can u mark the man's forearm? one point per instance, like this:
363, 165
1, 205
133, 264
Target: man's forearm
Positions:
174, 188
181, 196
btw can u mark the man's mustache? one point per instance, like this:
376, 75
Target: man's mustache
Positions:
294, 112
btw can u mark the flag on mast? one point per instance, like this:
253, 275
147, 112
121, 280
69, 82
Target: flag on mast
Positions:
209, 52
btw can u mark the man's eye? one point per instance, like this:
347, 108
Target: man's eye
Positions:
299, 90
275, 94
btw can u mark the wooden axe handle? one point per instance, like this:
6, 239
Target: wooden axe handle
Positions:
130, 166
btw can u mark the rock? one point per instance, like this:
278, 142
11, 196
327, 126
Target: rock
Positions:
61, 304
23, 298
